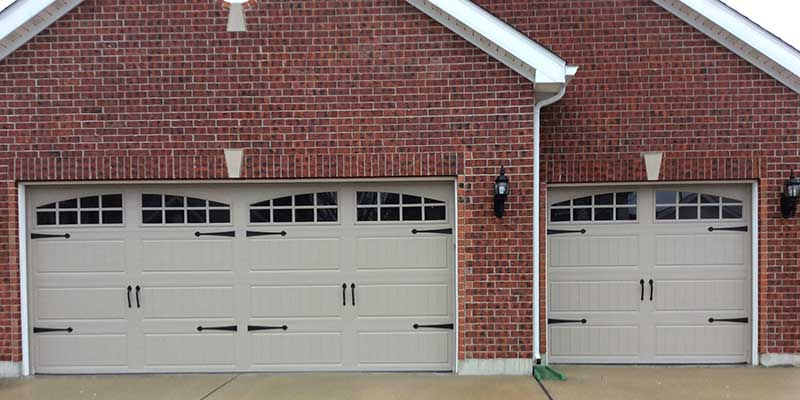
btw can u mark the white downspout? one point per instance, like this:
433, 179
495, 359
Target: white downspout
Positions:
536, 200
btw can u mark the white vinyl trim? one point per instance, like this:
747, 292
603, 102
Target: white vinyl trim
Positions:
23, 277
455, 271
754, 280
240, 181
647, 183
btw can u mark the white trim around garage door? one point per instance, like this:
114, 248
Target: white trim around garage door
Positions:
23, 277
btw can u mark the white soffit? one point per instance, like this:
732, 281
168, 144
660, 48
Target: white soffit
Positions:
742, 36
24, 19
545, 69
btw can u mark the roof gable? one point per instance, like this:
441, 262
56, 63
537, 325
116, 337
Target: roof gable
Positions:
24, 19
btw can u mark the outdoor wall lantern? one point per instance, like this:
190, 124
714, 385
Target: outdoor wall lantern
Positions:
790, 195
500, 193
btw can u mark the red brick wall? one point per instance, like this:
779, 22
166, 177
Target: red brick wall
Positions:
374, 88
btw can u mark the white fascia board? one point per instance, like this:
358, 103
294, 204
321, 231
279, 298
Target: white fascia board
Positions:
27, 18
498, 39
20, 12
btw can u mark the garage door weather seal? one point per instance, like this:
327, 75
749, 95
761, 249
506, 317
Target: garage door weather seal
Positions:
547, 373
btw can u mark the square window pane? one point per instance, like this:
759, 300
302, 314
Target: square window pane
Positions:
151, 216
665, 213
626, 198
367, 214
604, 199
327, 199
219, 216
46, 218
559, 214
367, 198
173, 201
90, 217
626, 214
193, 202
90, 202
304, 199
72, 203
432, 201
282, 215
390, 198
687, 212
217, 204
259, 216
196, 216
582, 214
112, 201
390, 214
561, 204
709, 212
68, 218
732, 212
327, 215
262, 204
603, 214
435, 213
666, 198
412, 213
282, 201
709, 199
408, 199
173, 216
582, 201
112, 217
304, 215
687, 198
151, 200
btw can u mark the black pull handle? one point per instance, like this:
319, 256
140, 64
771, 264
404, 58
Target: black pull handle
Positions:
44, 330
565, 321
226, 234
563, 231
138, 289
739, 320
251, 328
129, 295
231, 328
641, 283
344, 294
434, 326
353, 292
45, 236
651, 290
733, 228
448, 231
257, 233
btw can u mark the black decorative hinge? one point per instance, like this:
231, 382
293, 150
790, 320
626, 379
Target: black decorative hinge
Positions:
45, 236
43, 330
256, 233
733, 228
434, 326
739, 320
232, 328
563, 231
448, 231
227, 234
251, 328
565, 321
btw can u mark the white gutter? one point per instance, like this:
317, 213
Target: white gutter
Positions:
537, 109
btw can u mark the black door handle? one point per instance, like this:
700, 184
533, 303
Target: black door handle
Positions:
434, 326
129, 295
353, 292
344, 294
231, 328
733, 228
651, 290
257, 233
43, 330
641, 283
45, 236
251, 328
138, 288
552, 321
448, 231
227, 234
739, 320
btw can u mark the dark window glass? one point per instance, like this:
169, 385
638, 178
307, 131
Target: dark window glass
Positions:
46, 218
51, 205
626, 198
562, 203
151, 216
282, 215
90, 202
729, 200
603, 214
626, 214
367, 198
304, 215
707, 198
193, 202
604, 199
408, 199
173, 216
282, 202
151, 200
262, 204
112, 201
666, 198
390, 214
687, 198
582, 214
327, 215
196, 216
367, 214
304, 200
68, 217
412, 213
583, 201
259, 216
173, 201
90, 217
72, 203
219, 216
435, 213
432, 201
709, 212
687, 212
559, 214
112, 217
665, 212
732, 212
390, 198
326, 199
216, 204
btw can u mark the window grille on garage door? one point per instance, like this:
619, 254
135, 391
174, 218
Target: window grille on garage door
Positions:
605, 207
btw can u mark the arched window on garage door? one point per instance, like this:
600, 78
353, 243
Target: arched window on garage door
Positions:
167, 209
397, 207
605, 207
102, 209
321, 207
687, 206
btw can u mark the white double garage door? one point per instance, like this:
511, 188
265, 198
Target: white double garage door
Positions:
651, 274
289, 277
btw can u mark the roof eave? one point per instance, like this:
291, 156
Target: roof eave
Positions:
24, 19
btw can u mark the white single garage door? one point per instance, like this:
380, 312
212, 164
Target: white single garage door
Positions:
649, 274
290, 277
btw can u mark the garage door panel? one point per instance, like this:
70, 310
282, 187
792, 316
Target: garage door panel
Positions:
78, 255
81, 350
403, 300
294, 254
288, 348
397, 348
710, 341
685, 295
595, 296
187, 302
187, 255
594, 342
83, 303
192, 349
594, 252
718, 249
296, 301
402, 252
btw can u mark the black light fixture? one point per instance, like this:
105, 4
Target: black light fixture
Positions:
501, 189
791, 193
